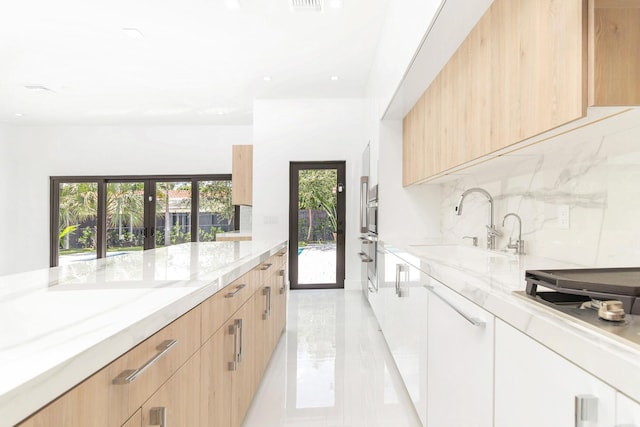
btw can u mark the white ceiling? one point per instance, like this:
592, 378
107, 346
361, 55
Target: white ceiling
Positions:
199, 62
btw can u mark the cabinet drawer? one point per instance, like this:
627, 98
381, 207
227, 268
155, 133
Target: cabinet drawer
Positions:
217, 309
113, 394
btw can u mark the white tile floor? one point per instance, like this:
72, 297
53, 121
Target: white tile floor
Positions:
331, 368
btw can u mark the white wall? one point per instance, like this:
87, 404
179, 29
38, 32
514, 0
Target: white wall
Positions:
305, 130
410, 215
404, 28
34, 153
5, 217
404, 213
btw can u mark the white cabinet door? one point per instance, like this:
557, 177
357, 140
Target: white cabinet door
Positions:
459, 361
627, 412
403, 300
536, 387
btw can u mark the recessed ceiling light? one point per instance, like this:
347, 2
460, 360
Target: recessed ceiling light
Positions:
267, 78
233, 4
334, 78
335, 4
221, 113
37, 88
134, 33
19, 114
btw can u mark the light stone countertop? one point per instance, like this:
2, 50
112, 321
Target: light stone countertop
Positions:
489, 280
62, 324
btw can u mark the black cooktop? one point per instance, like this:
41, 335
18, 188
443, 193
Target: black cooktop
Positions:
578, 285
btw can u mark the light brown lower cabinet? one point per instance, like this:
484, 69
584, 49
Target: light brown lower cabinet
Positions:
215, 384
135, 420
176, 402
112, 395
195, 377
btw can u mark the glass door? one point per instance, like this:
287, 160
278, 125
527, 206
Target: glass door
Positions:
77, 204
316, 224
172, 213
125, 217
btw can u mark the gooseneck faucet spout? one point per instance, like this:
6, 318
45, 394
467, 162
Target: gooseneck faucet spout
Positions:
492, 233
519, 244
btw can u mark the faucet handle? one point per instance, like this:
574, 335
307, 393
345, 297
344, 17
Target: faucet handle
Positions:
492, 231
473, 239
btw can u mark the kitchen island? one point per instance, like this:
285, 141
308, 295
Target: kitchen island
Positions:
61, 325
506, 359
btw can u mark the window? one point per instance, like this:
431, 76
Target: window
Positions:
94, 217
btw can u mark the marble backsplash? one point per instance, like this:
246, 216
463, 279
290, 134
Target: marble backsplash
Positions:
595, 175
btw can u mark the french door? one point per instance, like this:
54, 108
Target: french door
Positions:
95, 217
317, 225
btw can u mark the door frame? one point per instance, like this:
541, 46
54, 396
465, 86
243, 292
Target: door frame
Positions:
294, 168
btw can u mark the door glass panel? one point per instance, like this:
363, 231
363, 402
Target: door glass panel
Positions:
317, 216
125, 217
173, 213
78, 214
215, 210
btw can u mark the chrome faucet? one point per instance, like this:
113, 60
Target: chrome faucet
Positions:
492, 233
519, 244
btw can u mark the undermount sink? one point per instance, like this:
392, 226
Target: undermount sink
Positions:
463, 256
464, 250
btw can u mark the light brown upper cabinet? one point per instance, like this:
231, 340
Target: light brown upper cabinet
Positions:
526, 68
242, 175
614, 26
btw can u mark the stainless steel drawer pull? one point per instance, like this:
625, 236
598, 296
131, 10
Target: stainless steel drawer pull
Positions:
586, 407
238, 289
158, 417
266, 291
401, 268
473, 320
233, 330
283, 288
241, 350
130, 375
265, 267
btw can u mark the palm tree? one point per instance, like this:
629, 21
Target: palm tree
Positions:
78, 202
125, 200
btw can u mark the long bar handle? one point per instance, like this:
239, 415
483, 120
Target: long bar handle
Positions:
265, 267
473, 320
233, 329
241, 350
238, 289
130, 376
401, 268
283, 289
158, 416
266, 291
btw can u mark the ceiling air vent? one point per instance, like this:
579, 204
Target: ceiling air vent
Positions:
306, 5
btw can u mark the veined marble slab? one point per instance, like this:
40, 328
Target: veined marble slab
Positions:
60, 325
489, 279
